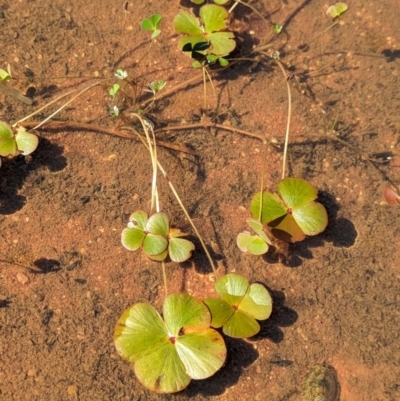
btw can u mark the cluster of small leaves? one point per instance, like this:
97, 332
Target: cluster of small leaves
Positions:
169, 351
12, 144
152, 24
336, 10
207, 40
292, 213
239, 307
154, 235
289, 216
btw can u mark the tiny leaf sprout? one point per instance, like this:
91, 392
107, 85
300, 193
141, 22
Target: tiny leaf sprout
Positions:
114, 112
5, 76
255, 244
152, 24
114, 90
336, 10
156, 86
121, 74
277, 28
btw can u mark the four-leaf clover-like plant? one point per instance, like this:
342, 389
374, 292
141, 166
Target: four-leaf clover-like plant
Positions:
168, 352
239, 307
154, 235
293, 213
211, 30
12, 144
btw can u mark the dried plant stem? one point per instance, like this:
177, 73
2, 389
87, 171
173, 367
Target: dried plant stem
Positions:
288, 119
56, 100
182, 206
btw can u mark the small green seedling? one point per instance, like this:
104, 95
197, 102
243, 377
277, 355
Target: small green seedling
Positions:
114, 112
154, 235
239, 306
22, 142
337, 10
214, 20
168, 353
152, 24
114, 90
156, 87
255, 244
5, 76
121, 74
293, 213
277, 28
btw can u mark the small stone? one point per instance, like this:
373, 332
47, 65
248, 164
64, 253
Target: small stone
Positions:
22, 278
71, 390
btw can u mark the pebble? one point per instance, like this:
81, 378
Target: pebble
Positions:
22, 278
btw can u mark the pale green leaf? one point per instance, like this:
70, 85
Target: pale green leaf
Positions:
132, 238
215, 18
187, 24
201, 364
220, 310
154, 245
241, 325
180, 249
26, 142
257, 302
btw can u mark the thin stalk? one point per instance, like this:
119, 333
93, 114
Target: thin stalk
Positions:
152, 147
164, 272
288, 119
55, 101
212, 85
204, 87
185, 212
262, 181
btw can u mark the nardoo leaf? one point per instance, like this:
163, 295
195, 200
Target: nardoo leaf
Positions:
296, 192
158, 223
132, 238
240, 306
336, 10
8, 145
253, 244
26, 142
154, 244
215, 18
241, 325
272, 207
180, 249
138, 219
186, 23
167, 354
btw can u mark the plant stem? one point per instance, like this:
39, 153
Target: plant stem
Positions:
165, 278
205, 88
164, 173
152, 148
288, 119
